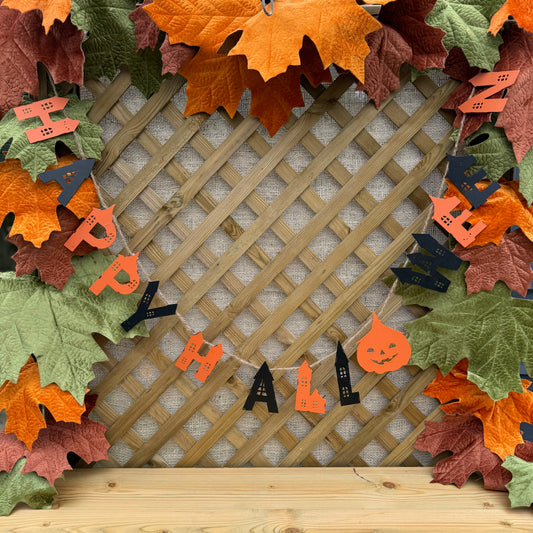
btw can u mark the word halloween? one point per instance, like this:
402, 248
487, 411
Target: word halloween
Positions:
439, 256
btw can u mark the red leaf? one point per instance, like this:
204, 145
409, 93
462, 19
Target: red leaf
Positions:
516, 53
52, 259
146, 30
388, 52
48, 457
24, 43
175, 56
509, 262
463, 435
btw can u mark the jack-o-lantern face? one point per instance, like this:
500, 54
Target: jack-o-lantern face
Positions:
383, 349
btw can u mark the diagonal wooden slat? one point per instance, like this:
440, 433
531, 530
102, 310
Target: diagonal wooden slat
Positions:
199, 292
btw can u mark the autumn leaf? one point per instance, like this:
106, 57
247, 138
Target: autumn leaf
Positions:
173, 56
404, 38
494, 154
215, 80
271, 44
501, 419
52, 259
48, 457
28, 488
24, 44
517, 115
22, 399
466, 23
51, 9
521, 485
509, 262
520, 10
35, 203
36, 157
491, 329
111, 43
463, 435
57, 326
503, 209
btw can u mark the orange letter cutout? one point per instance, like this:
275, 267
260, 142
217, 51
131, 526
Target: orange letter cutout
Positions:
42, 109
83, 231
190, 354
454, 225
481, 102
121, 263
314, 403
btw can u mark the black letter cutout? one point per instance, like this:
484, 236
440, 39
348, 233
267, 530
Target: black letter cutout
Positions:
347, 396
262, 390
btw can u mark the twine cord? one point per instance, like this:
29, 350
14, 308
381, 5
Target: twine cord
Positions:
362, 327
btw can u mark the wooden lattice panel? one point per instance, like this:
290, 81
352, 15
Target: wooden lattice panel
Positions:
242, 250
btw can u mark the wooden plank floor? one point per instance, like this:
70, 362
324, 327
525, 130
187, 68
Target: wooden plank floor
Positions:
261, 500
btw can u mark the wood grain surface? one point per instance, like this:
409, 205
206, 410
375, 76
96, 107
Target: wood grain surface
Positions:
268, 500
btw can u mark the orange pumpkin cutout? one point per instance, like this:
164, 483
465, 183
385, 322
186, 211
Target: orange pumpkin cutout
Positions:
383, 349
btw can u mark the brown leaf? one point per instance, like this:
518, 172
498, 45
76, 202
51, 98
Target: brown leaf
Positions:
21, 401
51, 9
52, 259
175, 56
146, 30
516, 53
510, 262
408, 18
463, 435
501, 419
24, 43
48, 456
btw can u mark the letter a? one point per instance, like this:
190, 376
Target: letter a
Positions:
69, 178
442, 257
467, 184
121, 263
190, 354
262, 391
42, 109
143, 312
103, 217
481, 103
454, 225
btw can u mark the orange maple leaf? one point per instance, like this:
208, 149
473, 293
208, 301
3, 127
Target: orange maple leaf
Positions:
501, 419
215, 80
503, 209
21, 401
520, 10
34, 203
51, 9
272, 44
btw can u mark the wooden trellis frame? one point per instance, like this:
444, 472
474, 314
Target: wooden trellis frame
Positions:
219, 214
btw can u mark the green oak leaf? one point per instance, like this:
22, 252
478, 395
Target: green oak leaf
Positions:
496, 156
491, 329
28, 488
111, 43
521, 486
57, 326
466, 23
36, 157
